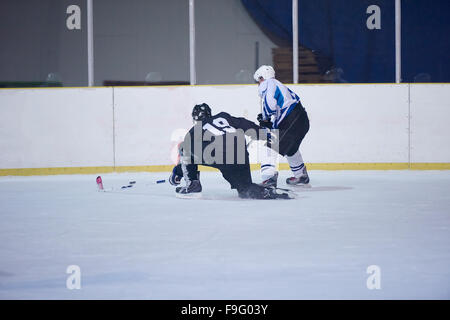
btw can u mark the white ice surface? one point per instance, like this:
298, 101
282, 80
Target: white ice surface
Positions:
143, 243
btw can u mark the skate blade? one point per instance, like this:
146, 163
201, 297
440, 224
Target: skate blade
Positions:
194, 195
300, 185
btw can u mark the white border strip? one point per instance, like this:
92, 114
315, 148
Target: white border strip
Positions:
398, 41
295, 40
192, 73
90, 42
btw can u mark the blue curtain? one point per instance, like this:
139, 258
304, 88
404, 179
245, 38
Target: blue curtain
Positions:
336, 30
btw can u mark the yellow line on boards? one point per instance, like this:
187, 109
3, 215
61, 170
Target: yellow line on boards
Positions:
168, 168
430, 166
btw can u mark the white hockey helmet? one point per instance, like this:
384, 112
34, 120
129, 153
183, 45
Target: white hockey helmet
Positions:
265, 72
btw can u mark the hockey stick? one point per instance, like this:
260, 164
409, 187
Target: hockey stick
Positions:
129, 185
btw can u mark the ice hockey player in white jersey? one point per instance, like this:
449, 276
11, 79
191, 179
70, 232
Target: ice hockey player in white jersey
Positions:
218, 141
282, 110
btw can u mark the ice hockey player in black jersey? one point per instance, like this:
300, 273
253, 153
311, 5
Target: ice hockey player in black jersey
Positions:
219, 141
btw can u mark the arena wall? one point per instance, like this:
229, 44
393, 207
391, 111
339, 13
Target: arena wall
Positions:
105, 129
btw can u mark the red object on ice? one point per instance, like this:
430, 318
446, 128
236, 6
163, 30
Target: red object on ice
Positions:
99, 183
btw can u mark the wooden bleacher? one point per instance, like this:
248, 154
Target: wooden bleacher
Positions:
308, 69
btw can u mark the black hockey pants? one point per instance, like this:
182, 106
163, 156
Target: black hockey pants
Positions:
292, 130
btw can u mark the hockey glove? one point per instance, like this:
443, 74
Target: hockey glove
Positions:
175, 177
264, 123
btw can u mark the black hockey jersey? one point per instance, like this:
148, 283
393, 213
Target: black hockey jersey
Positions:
219, 139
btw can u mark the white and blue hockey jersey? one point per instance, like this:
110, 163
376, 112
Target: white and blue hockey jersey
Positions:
277, 101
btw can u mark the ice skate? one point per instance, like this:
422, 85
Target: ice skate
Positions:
192, 191
271, 182
301, 181
258, 191
279, 193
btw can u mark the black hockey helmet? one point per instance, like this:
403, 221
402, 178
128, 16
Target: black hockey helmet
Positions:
201, 112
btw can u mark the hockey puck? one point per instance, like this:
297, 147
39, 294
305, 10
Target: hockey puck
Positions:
160, 181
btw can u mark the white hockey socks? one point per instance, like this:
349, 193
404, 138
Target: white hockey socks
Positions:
268, 159
296, 163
